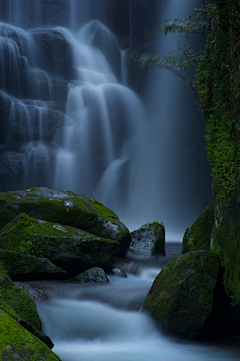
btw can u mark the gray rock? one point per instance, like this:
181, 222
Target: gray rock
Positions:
148, 240
118, 272
56, 52
36, 293
93, 275
26, 267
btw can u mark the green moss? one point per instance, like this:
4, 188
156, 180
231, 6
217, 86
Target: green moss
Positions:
22, 304
18, 344
197, 237
66, 208
226, 242
181, 296
218, 86
6, 308
69, 248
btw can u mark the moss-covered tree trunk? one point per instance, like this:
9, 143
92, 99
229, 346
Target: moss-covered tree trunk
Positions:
218, 86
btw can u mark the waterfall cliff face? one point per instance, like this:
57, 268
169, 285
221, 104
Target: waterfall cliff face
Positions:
69, 120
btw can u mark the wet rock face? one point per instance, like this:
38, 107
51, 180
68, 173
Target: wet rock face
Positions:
11, 170
181, 297
93, 275
66, 208
56, 52
148, 240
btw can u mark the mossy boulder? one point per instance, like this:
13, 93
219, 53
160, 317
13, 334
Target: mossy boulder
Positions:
70, 248
19, 344
66, 208
197, 237
92, 275
148, 240
17, 303
181, 297
25, 267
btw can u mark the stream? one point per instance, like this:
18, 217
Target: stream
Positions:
104, 322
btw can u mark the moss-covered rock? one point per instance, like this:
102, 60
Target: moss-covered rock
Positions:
218, 88
69, 248
92, 275
66, 208
148, 240
197, 237
41, 336
22, 304
25, 267
225, 241
181, 297
19, 344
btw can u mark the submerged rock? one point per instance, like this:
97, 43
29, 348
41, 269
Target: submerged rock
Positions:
66, 208
67, 247
93, 275
118, 272
181, 297
197, 237
26, 267
148, 240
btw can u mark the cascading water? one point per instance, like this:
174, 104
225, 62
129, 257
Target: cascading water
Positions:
102, 322
69, 120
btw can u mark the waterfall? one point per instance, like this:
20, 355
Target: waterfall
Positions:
69, 119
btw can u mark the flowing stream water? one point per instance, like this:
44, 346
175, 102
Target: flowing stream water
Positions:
69, 120
94, 322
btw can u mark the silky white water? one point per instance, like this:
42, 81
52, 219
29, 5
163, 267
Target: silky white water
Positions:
94, 322
80, 126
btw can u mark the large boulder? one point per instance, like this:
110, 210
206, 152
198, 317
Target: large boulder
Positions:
70, 248
66, 208
17, 303
148, 240
197, 237
27, 267
181, 297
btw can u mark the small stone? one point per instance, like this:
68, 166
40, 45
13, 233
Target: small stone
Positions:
118, 272
92, 275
